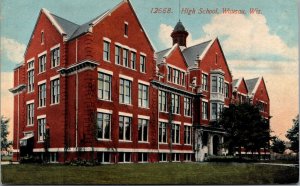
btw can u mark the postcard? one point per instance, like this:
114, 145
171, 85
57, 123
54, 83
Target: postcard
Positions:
149, 92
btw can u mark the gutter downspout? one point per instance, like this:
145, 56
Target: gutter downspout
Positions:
76, 109
18, 136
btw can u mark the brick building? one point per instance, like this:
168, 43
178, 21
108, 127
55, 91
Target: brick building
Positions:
101, 90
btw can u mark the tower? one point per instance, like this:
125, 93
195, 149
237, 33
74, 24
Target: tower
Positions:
179, 34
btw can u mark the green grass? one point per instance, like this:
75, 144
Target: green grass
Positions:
154, 173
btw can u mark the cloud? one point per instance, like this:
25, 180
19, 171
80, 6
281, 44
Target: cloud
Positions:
164, 34
7, 99
248, 35
12, 49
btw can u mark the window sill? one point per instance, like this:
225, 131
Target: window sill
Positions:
125, 162
176, 114
162, 143
144, 107
126, 104
41, 107
104, 100
145, 142
40, 141
53, 104
31, 125
187, 116
41, 72
143, 72
126, 36
164, 112
125, 141
187, 144
108, 61
100, 139
30, 92
54, 67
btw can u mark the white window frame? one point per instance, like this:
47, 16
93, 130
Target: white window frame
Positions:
126, 29
30, 74
103, 157
55, 91
124, 157
122, 88
125, 57
55, 61
105, 122
106, 52
204, 109
118, 54
106, 86
41, 128
124, 129
42, 63
143, 123
143, 95
143, 63
187, 106
162, 101
175, 103
187, 138
133, 59
162, 127
42, 94
30, 113
143, 154
163, 157
175, 136
204, 81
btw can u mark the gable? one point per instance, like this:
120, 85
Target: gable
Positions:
44, 22
175, 58
242, 88
214, 59
261, 92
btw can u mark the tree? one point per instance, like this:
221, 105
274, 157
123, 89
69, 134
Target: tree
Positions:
244, 127
4, 133
278, 145
293, 135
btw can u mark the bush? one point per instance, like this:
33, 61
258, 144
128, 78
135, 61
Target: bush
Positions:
229, 159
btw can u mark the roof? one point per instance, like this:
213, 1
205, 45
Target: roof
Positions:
67, 26
251, 84
179, 27
234, 82
190, 54
84, 28
194, 52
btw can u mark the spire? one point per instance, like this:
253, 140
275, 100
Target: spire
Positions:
179, 34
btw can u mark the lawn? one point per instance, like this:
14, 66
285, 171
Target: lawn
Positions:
154, 173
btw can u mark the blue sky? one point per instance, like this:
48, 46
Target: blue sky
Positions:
254, 45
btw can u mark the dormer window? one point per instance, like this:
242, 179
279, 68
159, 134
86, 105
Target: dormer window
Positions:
42, 37
125, 29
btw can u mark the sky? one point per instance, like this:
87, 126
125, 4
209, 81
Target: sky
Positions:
264, 44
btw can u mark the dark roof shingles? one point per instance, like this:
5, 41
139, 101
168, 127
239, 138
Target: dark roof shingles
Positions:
251, 84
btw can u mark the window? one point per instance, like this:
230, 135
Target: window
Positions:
118, 55
175, 157
42, 63
169, 74
221, 85
103, 157
124, 128
187, 106
175, 104
182, 78
53, 157
125, 91
187, 135
55, 56
204, 82
163, 157
133, 60
162, 134
143, 96
104, 86
142, 64
55, 91
125, 58
42, 95
187, 157
143, 130
41, 129
126, 29
30, 73
30, 114
214, 84
142, 157
176, 133
204, 110
42, 37
176, 76
106, 50
103, 125
124, 157
162, 101
226, 90
214, 111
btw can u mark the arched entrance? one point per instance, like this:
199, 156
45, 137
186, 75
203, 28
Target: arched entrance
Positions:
216, 143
